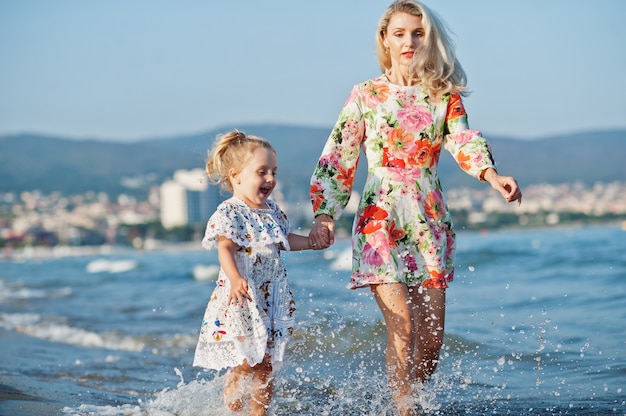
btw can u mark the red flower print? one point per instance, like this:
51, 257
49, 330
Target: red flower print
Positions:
434, 205
372, 219
437, 281
426, 153
390, 161
455, 107
317, 195
395, 234
345, 176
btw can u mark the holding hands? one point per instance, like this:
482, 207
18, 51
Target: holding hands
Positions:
321, 237
322, 234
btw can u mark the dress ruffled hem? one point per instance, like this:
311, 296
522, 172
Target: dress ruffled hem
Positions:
219, 356
231, 334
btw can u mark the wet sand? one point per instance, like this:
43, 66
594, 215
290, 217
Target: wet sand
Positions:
14, 402
22, 395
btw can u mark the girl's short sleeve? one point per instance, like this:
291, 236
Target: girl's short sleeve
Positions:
246, 227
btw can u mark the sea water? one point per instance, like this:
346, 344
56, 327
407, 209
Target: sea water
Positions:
535, 325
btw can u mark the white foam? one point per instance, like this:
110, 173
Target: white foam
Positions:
56, 330
36, 326
111, 266
363, 393
12, 321
343, 260
205, 272
197, 398
16, 291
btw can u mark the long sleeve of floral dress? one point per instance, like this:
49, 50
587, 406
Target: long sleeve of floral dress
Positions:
402, 230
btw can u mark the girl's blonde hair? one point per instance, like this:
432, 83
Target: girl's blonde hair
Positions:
231, 152
434, 63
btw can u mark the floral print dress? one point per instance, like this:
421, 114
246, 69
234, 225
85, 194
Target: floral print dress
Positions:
231, 333
402, 230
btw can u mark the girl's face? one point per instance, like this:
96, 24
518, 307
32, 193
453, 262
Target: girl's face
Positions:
256, 181
404, 36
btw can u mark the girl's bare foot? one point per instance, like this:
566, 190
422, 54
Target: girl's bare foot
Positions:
236, 405
233, 391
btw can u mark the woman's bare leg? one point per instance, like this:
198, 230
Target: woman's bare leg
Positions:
428, 310
414, 318
394, 303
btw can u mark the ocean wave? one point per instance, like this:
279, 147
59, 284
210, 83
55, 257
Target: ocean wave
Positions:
203, 272
111, 266
17, 291
56, 330
341, 259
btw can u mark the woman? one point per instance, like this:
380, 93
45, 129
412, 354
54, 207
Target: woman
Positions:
403, 239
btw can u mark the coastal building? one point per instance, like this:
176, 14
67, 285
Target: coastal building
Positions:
188, 199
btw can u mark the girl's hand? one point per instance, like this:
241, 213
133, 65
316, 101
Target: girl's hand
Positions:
238, 291
238, 284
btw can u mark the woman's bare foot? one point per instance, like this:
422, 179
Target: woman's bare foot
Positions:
407, 406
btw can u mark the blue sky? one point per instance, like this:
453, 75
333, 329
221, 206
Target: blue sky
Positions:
126, 70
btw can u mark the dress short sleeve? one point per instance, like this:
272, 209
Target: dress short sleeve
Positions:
245, 226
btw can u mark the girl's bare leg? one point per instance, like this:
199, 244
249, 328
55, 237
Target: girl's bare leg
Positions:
233, 390
262, 387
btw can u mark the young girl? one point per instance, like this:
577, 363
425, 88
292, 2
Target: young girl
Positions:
249, 317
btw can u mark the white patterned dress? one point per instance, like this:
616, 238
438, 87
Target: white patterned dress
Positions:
231, 333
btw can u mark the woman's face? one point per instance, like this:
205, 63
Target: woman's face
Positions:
404, 36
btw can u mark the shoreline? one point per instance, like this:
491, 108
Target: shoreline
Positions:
15, 402
55, 252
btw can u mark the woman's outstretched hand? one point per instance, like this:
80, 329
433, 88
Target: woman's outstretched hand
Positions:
506, 185
322, 234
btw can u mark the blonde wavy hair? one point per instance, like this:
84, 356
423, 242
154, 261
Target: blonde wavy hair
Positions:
231, 152
434, 64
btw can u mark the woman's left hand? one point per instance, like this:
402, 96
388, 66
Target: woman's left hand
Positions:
506, 185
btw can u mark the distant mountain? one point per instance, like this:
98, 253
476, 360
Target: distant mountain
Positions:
29, 162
